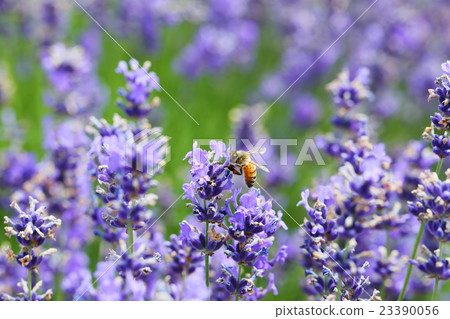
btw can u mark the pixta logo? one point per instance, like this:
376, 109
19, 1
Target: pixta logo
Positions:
148, 151
279, 152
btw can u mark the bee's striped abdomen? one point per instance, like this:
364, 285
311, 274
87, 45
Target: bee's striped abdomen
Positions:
250, 174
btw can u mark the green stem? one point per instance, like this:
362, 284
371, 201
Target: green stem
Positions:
206, 251
206, 255
236, 297
383, 292
438, 167
29, 284
183, 284
339, 288
388, 241
435, 290
413, 256
436, 283
339, 292
130, 236
388, 251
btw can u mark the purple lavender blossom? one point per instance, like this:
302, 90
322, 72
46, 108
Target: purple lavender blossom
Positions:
126, 156
249, 221
434, 266
183, 262
233, 285
319, 225
355, 218
441, 146
77, 278
323, 284
75, 88
439, 229
32, 227
197, 240
144, 20
356, 203
441, 92
349, 92
387, 104
24, 296
210, 179
61, 182
122, 187
133, 263
252, 223
413, 159
17, 168
116, 288
42, 23
439, 121
432, 198
355, 125
432, 194
228, 37
140, 85
306, 110
65, 66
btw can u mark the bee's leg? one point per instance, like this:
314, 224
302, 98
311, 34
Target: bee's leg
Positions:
234, 170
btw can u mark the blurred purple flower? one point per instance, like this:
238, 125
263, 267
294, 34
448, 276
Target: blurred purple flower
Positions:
17, 168
75, 88
306, 110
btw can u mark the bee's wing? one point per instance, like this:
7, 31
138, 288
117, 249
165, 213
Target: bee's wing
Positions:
261, 167
257, 150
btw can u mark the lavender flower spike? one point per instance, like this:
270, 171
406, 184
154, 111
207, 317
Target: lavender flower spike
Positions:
349, 92
433, 195
210, 181
33, 226
140, 85
434, 266
22, 296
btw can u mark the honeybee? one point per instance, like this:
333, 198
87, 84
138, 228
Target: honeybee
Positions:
241, 163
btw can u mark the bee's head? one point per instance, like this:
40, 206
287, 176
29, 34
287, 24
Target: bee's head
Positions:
233, 156
238, 156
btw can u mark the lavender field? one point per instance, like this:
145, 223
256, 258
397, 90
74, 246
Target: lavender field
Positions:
224, 150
